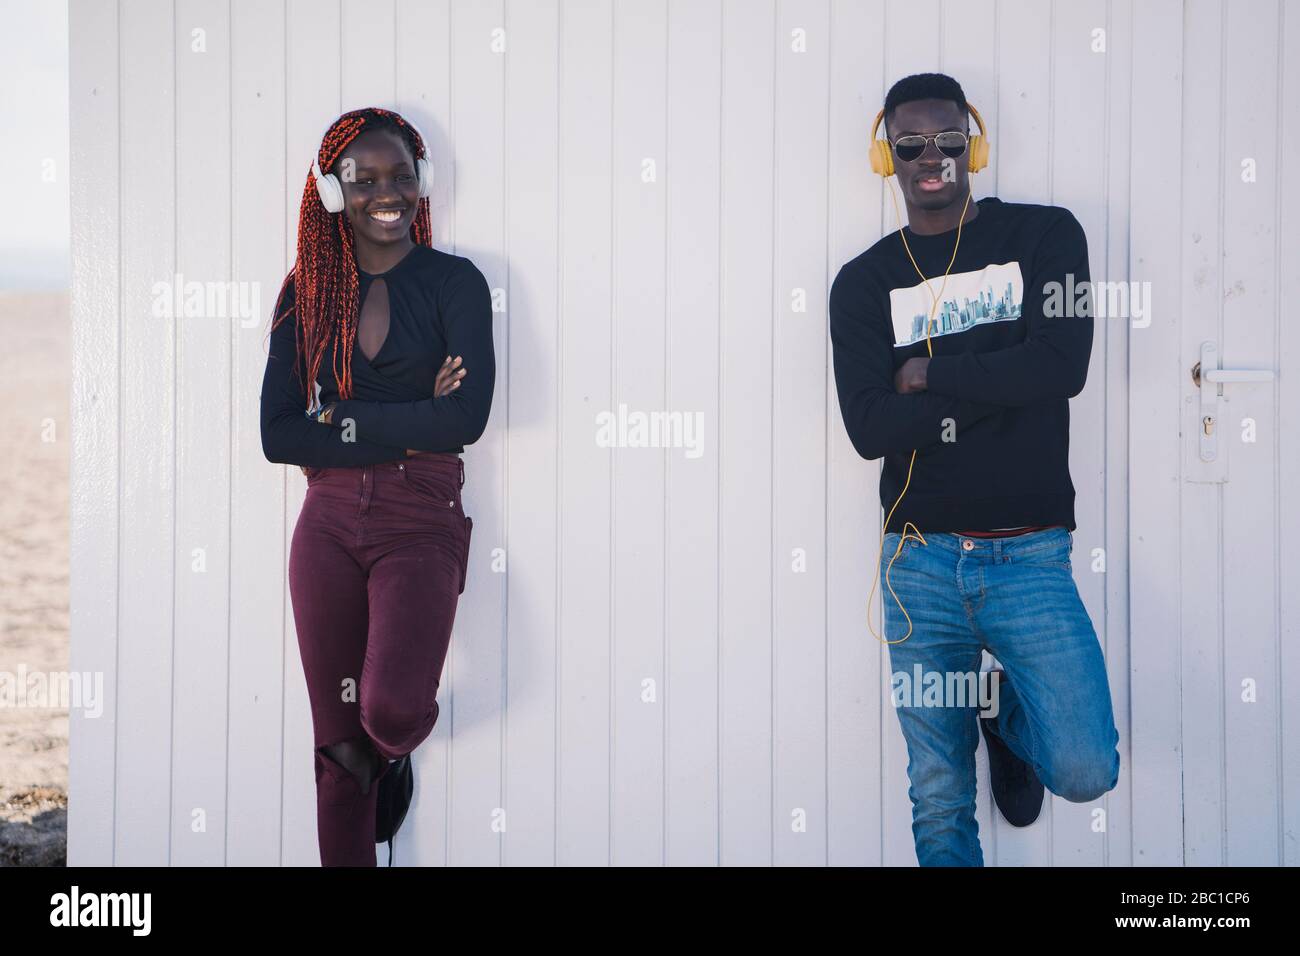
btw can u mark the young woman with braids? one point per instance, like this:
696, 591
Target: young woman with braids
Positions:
397, 339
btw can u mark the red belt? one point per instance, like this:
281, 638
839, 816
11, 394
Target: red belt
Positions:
1007, 534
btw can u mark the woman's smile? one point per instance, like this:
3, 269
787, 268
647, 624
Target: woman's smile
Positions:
389, 216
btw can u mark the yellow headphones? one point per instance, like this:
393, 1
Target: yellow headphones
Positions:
977, 149
882, 162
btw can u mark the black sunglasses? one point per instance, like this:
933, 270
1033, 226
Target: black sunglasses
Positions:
951, 143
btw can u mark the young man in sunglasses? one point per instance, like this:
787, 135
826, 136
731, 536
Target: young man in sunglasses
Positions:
962, 386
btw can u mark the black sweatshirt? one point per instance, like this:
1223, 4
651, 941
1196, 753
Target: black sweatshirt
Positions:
992, 429
439, 305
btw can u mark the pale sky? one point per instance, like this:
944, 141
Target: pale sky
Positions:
34, 159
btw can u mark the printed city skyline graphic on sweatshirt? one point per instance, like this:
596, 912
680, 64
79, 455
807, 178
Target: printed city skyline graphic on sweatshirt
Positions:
991, 294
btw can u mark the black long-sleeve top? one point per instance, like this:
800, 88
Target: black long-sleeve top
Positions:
1012, 337
439, 306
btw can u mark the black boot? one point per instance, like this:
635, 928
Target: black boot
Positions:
396, 786
1016, 788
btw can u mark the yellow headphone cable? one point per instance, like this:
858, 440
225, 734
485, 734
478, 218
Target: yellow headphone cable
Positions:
935, 304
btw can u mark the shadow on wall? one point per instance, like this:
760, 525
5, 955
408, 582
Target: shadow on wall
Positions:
478, 642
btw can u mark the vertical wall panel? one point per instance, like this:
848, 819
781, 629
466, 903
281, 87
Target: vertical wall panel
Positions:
745, 554
799, 422
857, 708
662, 654
1288, 441
856, 703
94, 597
147, 432
586, 469
476, 661
254, 745
1018, 161
1154, 542
640, 176
692, 355
1199, 534
1252, 171
202, 533
367, 67
532, 209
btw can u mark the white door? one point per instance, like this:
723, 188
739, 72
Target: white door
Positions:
1215, 737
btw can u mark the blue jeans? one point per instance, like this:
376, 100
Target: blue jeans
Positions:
1016, 597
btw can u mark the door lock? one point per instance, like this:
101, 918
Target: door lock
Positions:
1209, 378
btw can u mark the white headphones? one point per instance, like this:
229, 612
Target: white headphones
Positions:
331, 191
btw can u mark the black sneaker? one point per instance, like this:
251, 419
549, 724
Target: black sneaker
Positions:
396, 787
1016, 788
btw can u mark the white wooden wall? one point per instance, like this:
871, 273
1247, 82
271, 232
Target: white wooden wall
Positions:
643, 565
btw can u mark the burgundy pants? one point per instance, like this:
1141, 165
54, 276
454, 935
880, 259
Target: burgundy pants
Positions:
376, 566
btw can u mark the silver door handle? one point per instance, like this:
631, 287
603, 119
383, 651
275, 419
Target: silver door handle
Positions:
1220, 375
1207, 372
1238, 375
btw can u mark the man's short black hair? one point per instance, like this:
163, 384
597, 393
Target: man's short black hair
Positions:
923, 86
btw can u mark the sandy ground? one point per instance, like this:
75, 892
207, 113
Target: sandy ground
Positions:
35, 373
